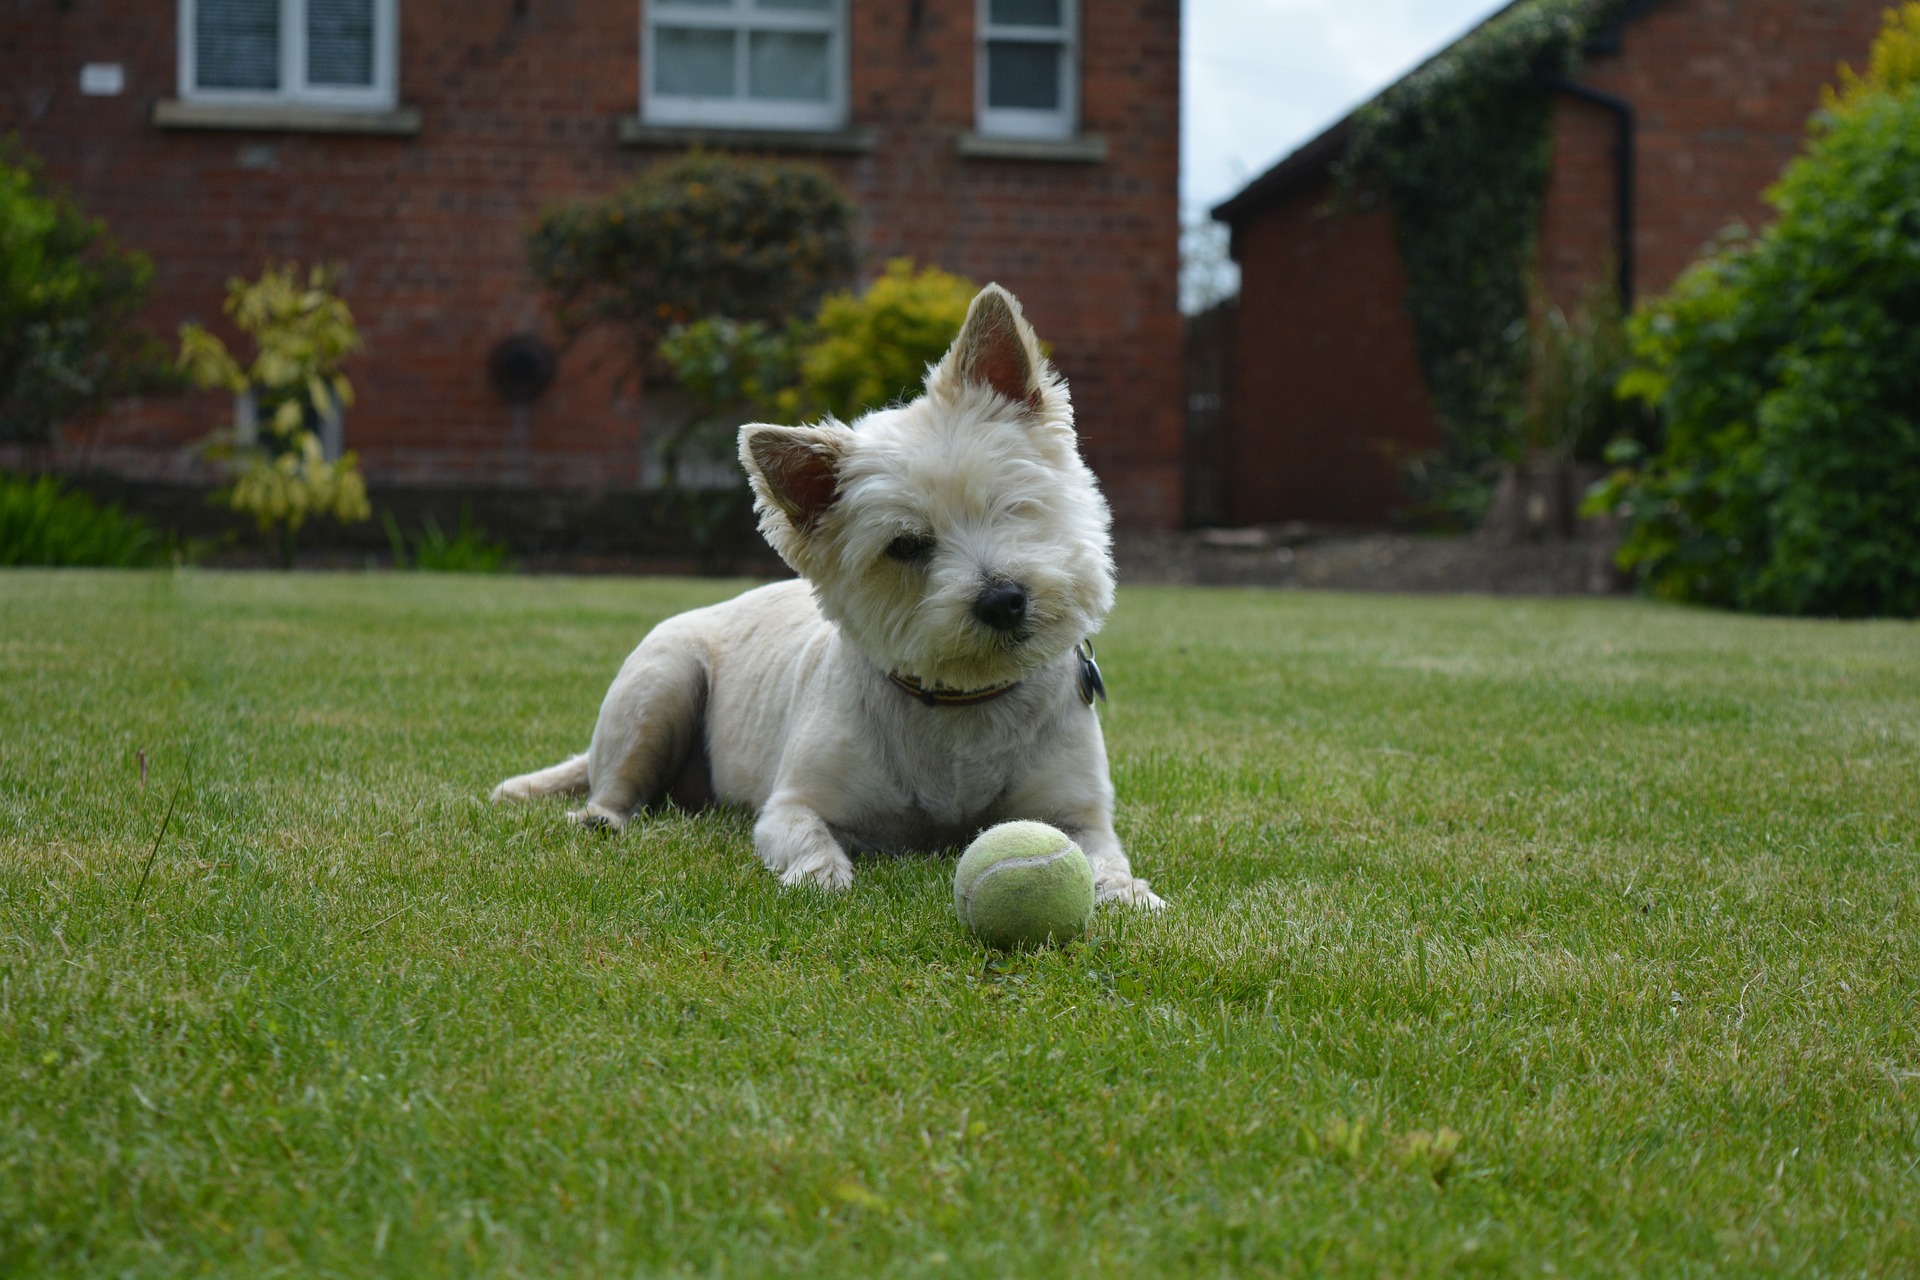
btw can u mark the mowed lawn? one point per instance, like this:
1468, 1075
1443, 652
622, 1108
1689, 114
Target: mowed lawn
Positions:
1511, 938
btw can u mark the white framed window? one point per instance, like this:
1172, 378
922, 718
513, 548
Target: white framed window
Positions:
330, 53
754, 64
1028, 68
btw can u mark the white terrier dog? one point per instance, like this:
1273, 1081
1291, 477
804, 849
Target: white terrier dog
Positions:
928, 678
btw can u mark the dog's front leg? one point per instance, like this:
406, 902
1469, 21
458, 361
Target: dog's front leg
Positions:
794, 842
1071, 789
1113, 878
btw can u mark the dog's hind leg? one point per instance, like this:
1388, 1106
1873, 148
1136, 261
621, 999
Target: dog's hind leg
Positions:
568, 778
647, 728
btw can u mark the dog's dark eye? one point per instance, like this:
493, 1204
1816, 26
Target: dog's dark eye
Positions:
910, 548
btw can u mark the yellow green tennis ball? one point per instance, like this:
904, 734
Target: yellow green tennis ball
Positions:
1023, 884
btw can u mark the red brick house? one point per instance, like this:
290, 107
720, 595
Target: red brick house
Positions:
1034, 142
1325, 390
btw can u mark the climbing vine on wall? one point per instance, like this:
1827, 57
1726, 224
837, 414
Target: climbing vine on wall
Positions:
1461, 151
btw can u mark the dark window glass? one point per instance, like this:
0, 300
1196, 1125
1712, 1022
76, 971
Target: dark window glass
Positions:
788, 66
693, 62
1024, 13
1023, 76
340, 42
236, 44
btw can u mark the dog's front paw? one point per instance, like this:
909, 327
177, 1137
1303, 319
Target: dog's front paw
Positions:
1127, 891
828, 871
597, 818
512, 789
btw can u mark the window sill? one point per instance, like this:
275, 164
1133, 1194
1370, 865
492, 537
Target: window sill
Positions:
288, 117
1087, 148
635, 132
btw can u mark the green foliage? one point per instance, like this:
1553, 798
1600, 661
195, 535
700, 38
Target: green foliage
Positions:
1894, 64
729, 364
858, 353
700, 236
468, 550
42, 525
869, 351
301, 332
1461, 150
1574, 361
732, 372
69, 298
1786, 368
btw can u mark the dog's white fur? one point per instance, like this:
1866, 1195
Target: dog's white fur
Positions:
982, 477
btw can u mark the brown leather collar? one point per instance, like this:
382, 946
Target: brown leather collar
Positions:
936, 697
1091, 685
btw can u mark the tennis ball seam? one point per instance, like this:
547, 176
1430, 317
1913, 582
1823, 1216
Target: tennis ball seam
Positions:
1024, 862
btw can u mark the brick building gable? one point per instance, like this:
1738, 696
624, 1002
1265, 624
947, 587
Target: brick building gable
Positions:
1326, 401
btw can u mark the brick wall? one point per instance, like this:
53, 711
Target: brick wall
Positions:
1722, 90
1326, 395
521, 100
1326, 386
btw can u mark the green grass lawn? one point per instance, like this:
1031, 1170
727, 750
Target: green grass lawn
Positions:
1624, 896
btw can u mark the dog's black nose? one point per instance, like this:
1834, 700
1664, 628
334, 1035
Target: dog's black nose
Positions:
1002, 606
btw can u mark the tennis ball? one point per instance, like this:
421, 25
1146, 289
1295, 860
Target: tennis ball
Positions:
1023, 884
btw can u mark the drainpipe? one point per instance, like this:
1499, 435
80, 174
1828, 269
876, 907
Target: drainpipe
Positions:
1623, 115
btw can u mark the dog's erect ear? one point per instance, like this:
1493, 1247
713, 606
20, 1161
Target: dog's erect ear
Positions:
996, 348
796, 469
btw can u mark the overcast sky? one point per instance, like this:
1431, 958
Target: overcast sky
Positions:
1264, 76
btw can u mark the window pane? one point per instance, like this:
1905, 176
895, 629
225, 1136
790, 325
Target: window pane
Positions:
1023, 76
790, 66
693, 4
802, 6
691, 63
340, 42
236, 44
1024, 13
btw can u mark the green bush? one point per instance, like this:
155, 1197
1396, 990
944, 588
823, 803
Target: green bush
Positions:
726, 363
1787, 370
1575, 358
868, 351
42, 525
69, 296
859, 352
700, 236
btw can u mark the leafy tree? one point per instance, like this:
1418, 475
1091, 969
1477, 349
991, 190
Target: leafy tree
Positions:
301, 332
697, 237
69, 343
1786, 367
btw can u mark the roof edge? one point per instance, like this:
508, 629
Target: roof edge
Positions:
1317, 158
1310, 160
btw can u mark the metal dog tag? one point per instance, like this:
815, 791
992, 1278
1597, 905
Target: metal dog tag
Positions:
1091, 685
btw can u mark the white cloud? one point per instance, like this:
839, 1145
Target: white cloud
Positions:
1263, 76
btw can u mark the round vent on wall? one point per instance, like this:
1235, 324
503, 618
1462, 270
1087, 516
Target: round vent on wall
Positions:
521, 368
